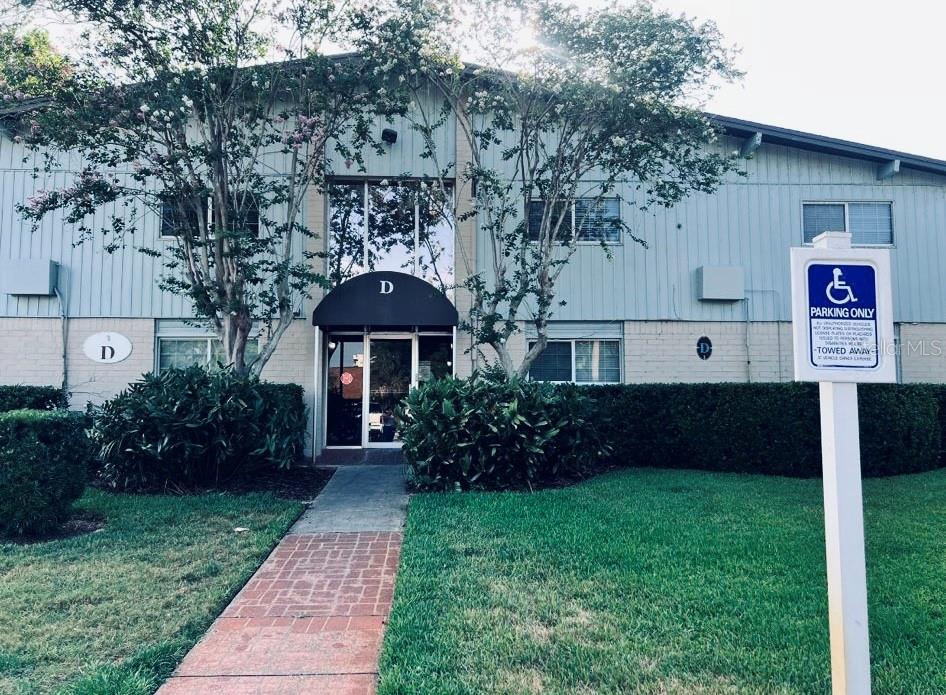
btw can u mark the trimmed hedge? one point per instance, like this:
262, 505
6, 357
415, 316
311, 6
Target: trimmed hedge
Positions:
940, 391
190, 427
44, 459
20, 397
765, 428
489, 433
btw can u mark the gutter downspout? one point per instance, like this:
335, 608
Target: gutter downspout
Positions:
778, 328
64, 323
748, 349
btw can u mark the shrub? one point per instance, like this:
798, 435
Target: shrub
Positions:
44, 458
489, 433
939, 391
190, 427
20, 397
900, 428
762, 428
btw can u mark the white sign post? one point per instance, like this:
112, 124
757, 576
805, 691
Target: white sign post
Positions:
842, 326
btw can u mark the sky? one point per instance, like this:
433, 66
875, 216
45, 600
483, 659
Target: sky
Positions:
872, 72
863, 70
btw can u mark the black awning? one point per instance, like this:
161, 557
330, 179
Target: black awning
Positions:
383, 299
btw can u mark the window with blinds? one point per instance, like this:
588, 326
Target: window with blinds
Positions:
870, 224
590, 220
179, 353
581, 361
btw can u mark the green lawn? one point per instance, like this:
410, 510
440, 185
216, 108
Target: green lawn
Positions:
113, 612
660, 581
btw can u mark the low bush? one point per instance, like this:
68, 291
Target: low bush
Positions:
763, 428
490, 433
20, 397
194, 428
44, 459
940, 394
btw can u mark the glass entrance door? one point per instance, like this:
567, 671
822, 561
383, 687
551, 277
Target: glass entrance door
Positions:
390, 377
367, 376
345, 359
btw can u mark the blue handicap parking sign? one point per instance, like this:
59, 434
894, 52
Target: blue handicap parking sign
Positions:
842, 315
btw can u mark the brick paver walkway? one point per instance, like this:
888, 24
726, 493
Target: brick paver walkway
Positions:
309, 621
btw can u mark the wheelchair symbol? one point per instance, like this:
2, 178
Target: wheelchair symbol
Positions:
838, 286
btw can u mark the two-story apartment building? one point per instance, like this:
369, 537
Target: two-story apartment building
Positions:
707, 300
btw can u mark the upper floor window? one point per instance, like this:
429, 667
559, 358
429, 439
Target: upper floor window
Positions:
870, 224
580, 361
404, 226
246, 207
173, 221
589, 219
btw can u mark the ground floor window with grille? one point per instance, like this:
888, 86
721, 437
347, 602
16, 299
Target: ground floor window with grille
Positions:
204, 352
583, 361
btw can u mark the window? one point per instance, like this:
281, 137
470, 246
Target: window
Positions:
434, 357
402, 226
187, 352
537, 209
870, 224
595, 219
172, 222
248, 212
581, 361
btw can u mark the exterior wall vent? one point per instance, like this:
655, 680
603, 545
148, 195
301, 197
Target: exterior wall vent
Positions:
721, 283
29, 276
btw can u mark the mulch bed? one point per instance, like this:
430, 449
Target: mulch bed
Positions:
302, 483
293, 484
80, 524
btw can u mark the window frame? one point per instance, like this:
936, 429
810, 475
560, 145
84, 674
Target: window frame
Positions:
209, 351
574, 357
847, 221
581, 242
365, 183
208, 215
208, 218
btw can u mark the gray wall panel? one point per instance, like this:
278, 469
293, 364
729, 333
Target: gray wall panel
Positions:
751, 221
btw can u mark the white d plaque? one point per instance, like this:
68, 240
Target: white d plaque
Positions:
107, 348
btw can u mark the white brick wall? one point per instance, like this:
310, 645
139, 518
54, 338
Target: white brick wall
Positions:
665, 351
31, 353
294, 362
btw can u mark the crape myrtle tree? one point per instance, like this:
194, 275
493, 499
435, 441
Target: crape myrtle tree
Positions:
29, 64
563, 104
216, 116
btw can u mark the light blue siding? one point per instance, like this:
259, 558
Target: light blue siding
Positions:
93, 282
402, 157
752, 222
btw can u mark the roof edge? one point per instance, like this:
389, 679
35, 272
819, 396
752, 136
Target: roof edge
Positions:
776, 135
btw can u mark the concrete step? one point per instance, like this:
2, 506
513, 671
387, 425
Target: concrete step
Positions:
360, 457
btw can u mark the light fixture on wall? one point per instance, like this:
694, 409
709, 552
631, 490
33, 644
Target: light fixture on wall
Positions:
389, 135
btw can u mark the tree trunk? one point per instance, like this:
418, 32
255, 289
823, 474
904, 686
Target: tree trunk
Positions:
236, 333
533, 353
505, 359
